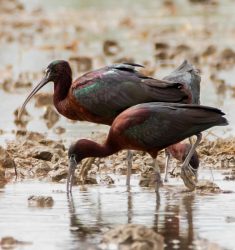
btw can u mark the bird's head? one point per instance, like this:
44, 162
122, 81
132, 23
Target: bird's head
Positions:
76, 153
56, 70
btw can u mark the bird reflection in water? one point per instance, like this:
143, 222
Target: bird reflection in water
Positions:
173, 218
178, 231
77, 227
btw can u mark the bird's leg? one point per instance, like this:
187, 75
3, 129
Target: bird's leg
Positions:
187, 172
129, 167
168, 157
192, 150
158, 179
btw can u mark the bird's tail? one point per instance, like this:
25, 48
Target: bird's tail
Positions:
204, 117
212, 116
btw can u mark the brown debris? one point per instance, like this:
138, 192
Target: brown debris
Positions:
43, 99
42, 169
132, 237
127, 22
59, 130
73, 46
161, 46
40, 201
22, 84
5, 159
51, 116
205, 186
42, 153
209, 51
24, 118
221, 146
3, 180
162, 55
8, 242
83, 63
227, 56
11, 6
147, 177
106, 180
30, 135
36, 156
90, 180
182, 48
111, 48
59, 174
7, 84
209, 2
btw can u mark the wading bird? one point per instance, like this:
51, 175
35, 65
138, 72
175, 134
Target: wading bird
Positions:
99, 96
149, 127
190, 77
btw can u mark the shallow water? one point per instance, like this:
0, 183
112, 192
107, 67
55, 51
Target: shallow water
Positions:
182, 218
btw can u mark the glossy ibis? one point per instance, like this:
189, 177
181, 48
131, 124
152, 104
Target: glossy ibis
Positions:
148, 127
190, 77
99, 96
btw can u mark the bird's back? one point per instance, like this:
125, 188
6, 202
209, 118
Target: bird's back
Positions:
157, 125
106, 92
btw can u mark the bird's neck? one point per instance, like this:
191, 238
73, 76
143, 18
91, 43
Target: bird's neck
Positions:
93, 149
61, 87
61, 93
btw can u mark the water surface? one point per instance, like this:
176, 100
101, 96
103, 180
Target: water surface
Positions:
182, 218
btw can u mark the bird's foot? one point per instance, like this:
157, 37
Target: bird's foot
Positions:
189, 176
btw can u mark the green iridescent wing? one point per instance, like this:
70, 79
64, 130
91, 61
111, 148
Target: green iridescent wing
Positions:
111, 90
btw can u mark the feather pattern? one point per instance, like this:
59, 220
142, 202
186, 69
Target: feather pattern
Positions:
108, 91
158, 125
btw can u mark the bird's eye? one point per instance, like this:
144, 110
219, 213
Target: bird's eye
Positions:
47, 72
72, 157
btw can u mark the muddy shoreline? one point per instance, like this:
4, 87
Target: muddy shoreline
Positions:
36, 157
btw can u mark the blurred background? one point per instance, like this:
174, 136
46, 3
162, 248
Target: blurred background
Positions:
91, 34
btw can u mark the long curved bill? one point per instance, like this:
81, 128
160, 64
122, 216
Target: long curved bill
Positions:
72, 167
42, 83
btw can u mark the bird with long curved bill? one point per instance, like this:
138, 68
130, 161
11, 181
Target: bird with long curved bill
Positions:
100, 95
148, 127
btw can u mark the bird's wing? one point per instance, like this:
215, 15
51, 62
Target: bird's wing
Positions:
155, 125
110, 90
